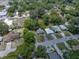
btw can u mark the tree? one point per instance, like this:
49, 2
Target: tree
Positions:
73, 29
74, 25
3, 28
41, 52
41, 24
75, 21
37, 13
71, 55
46, 18
55, 18
29, 37
68, 1
31, 24
29, 43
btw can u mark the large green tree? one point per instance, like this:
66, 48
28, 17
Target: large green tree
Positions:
72, 55
3, 28
29, 38
31, 24
41, 52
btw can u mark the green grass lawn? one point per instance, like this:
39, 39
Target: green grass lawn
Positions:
50, 37
1, 7
67, 33
40, 38
62, 47
58, 35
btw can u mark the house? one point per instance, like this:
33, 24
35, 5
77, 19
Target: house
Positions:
8, 22
11, 36
1, 38
63, 27
49, 31
40, 31
55, 28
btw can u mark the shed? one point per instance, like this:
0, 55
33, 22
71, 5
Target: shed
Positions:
40, 31
3, 13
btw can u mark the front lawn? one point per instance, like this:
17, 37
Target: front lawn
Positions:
1, 7
40, 38
50, 37
62, 47
58, 35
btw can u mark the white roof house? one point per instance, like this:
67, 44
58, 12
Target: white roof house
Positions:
63, 27
49, 31
56, 28
8, 22
3, 14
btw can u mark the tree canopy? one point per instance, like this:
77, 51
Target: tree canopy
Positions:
3, 28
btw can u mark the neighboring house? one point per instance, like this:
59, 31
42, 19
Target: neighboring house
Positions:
11, 36
49, 31
4, 2
40, 31
8, 22
55, 28
3, 14
63, 27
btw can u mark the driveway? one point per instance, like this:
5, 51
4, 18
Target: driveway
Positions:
7, 50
